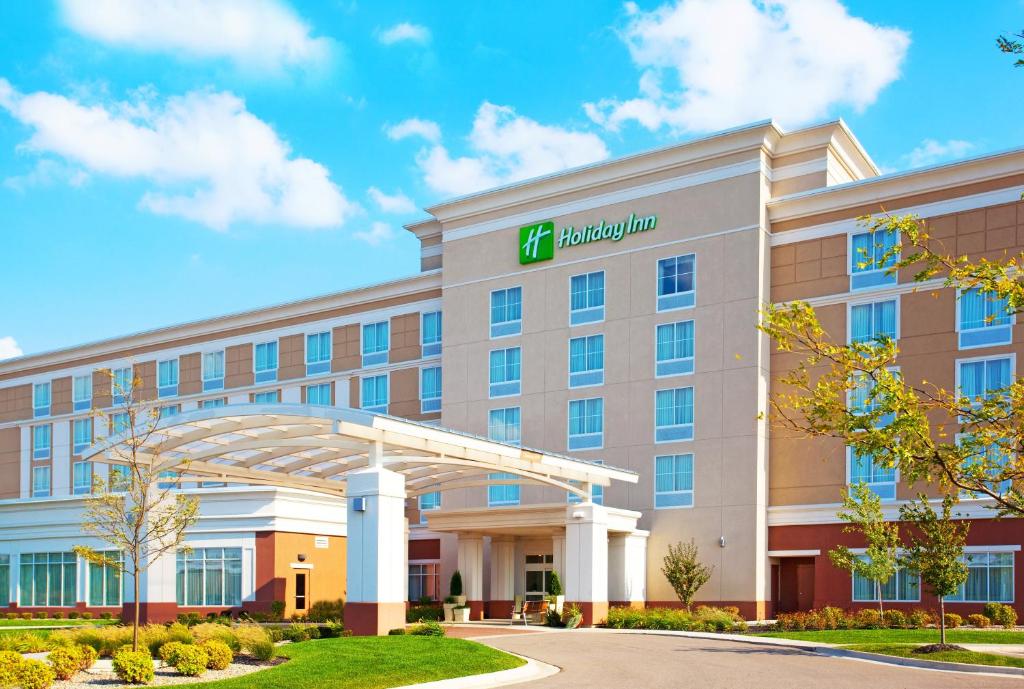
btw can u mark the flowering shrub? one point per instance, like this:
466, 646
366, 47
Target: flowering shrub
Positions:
866, 618
703, 619
191, 660
133, 667
169, 652
953, 620
1001, 614
979, 621
66, 661
218, 654
895, 619
34, 674
428, 628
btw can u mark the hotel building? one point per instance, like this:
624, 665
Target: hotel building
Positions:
605, 313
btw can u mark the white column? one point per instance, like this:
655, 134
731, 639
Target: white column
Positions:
376, 557
503, 577
558, 555
586, 560
471, 567
627, 567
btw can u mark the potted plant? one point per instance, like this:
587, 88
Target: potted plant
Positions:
572, 616
449, 605
555, 591
461, 613
455, 588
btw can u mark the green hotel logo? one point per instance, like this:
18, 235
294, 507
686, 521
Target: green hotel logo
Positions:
537, 241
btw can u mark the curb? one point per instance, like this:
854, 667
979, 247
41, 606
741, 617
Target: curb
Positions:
935, 665
533, 670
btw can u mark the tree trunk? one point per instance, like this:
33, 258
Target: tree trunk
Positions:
135, 623
942, 620
878, 592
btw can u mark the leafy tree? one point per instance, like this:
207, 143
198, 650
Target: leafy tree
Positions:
936, 550
137, 512
684, 571
1013, 45
967, 444
555, 585
455, 584
862, 509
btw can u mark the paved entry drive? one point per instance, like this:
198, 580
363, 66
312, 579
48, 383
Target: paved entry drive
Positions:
605, 660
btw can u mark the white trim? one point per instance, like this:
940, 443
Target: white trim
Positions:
808, 167
797, 515
1013, 322
300, 565
896, 474
693, 478
568, 360
1012, 356
693, 358
522, 360
794, 553
568, 421
375, 373
433, 250
657, 283
862, 299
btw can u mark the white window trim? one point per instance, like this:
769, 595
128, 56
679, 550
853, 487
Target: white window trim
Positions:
224, 361
693, 424
387, 376
657, 281
494, 409
424, 368
959, 329
603, 306
666, 361
1012, 356
654, 484
861, 301
490, 323
423, 329
849, 263
895, 481
853, 588
305, 347
568, 421
73, 389
522, 368
362, 351
277, 363
568, 362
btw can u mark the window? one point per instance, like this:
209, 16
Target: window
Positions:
869, 267
596, 493
864, 469
424, 580
431, 333
989, 578
861, 400
210, 576
119, 423
430, 389
586, 361
265, 362
586, 298
428, 502
902, 586
170, 410
167, 378
673, 481
992, 456
503, 425
375, 343
505, 372
300, 590
5, 580
121, 383
507, 312
118, 479
980, 379
82, 434
873, 321
673, 415
318, 353
375, 393
586, 424
81, 392
105, 582
983, 319
41, 482
673, 349
502, 494
215, 402
41, 441
268, 397
676, 288
319, 394
47, 579
82, 478
40, 399
213, 371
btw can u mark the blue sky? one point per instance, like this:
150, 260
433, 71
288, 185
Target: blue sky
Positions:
199, 158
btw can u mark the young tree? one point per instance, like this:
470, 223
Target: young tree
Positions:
862, 509
972, 444
936, 550
1012, 45
685, 572
137, 513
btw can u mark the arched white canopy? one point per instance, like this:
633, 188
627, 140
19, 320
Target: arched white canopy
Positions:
313, 447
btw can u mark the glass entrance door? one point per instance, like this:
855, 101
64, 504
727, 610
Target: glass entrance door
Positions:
538, 576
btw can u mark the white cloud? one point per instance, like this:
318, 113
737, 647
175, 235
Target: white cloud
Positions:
931, 151
47, 172
397, 203
9, 348
251, 33
414, 126
506, 148
405, 31
711, 64
205, 156
378, 233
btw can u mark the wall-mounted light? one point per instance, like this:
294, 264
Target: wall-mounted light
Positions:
358, 504
578, 515
301, 557
721, 541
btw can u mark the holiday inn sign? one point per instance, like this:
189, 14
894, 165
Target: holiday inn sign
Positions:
537, 242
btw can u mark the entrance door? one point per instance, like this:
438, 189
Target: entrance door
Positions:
805, 586
300, 590
538, 576
796, 584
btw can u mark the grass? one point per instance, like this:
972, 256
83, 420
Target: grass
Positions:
53, 623
374, 663
970, 657
902, 636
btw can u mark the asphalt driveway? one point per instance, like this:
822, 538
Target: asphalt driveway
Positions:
606, 660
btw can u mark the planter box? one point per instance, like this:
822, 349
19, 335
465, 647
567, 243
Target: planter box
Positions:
449, 615
461, 614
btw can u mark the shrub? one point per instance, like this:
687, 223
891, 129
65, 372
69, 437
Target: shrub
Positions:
262, 650
703, 619
169, 652
277, 609
179, 632
88, 616
57, 616
250, 634
12, 615
868, 618
326, 610
553, 619
10, 663
275, 634
26, 616
23, 642
895, 619
191, 660
34, 674
190, 618
106, 616
953, 620
397, 631
427, 629
332, 630
218, 654
1001, 614
88, 656
299, 632
212, 631
979, 621
41, 615
720, 619
423, 612
65, 661
834, 618
455, 584
918, 619
73, 615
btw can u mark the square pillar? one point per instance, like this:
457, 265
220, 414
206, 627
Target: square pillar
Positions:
586, 560
503, 578
558, 555
471, 566
627, 568
376, 553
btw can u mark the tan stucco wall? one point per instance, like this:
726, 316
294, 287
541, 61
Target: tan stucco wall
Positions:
325, 581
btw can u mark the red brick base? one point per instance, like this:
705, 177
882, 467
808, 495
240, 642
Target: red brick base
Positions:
374, 619
594, 613
476, 609
500, 609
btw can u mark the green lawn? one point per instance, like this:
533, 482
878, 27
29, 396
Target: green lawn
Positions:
903, 651
371, 662
903, 636
52, 623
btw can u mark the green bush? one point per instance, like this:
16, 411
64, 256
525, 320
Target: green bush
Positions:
397, 631
250, 634
190, 618
979, 621
868, 618
705, 618
919, 619
191, 660
41, 615
429, 628
26, 616
88, 656
299, 632
895, 619
218, 654
34, 674
212, 631
66, 661
553, 619
262, 650
106, 616
455, 584
326, 610
73, 615
953, 620
23, 642
57, 615
10, 663
12, 615
332, 630
1001, 614
133, 667
423, 612
88, 616
169, 652
277, 609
